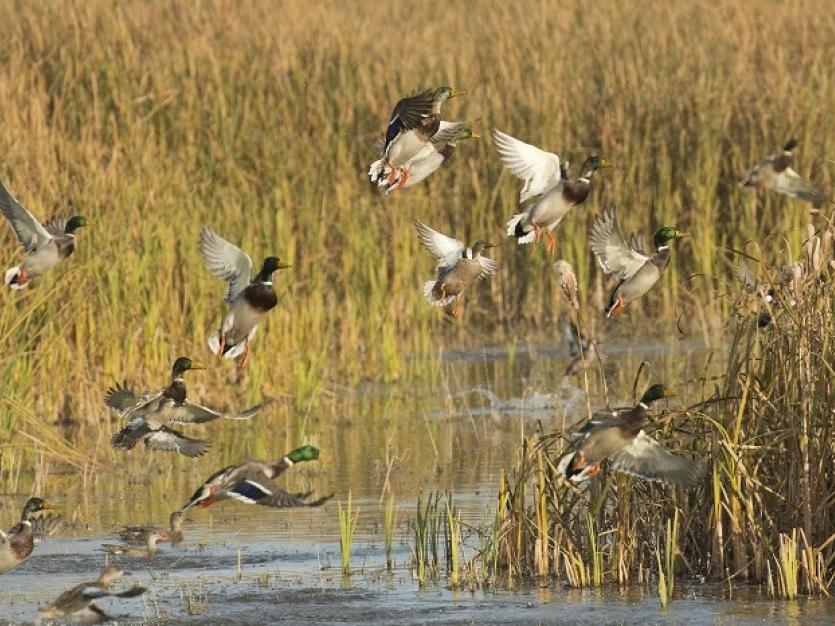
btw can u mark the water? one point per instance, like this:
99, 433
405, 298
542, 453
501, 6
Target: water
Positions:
248, 565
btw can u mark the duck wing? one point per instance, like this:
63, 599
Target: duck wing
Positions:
29, 231
445, 249
408, 114
614, 255
191, 413
170, 440
539, 169
226, 261
648, 459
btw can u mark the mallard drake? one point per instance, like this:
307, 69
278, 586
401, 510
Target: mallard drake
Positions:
635, 270
581, 349
149, 413
438, 151
150, 548
251, 482
17, 544
174, 532
458, 266
413, 122
775, 172
77, 605
45, 245
547, 185
249, 299
618, 435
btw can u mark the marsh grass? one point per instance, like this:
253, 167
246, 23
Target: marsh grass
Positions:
766, 426
348, 518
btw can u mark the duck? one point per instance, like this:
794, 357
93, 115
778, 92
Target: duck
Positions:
45, 245
148, 415
618, 435
251, 482
249, 298
17, 544
414, 120
458, 266
548, 193
774, 172
581, 348
77, 604
635, 270
150, 548
439, 151
759, 297
174, 532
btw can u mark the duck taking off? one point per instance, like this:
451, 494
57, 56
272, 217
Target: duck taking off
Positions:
618, 435
458, 266
251, 482
249, 299
635, 270
438, 151
45, 245
774, 172
413, 122
548, 193
77, 605
149, 414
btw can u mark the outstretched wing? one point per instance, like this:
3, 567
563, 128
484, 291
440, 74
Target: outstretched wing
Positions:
170, 440
539, 169
446, 249
488, 266
190, 413
447, 132
613, 254
126, 403
29, 231
648, 459
408, 114
226, 261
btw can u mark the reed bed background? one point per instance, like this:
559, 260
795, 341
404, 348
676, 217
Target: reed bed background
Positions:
154, 118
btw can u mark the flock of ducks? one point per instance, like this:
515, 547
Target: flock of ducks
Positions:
417, 143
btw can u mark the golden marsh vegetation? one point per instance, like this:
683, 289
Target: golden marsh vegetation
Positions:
154, 118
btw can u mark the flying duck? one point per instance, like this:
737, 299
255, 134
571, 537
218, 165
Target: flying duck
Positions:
775, 172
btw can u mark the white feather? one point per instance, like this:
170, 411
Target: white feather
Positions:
214, 343
11, 274
511, 229
539, 169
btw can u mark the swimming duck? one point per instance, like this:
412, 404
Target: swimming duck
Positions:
150, 548
77, 605
635, 270
45, 245
174, 533
252, 482
17, 544
149, 413
458, 266
413, 122
581, 349
547, 185
438, 151
618, 435
249, 299
775, 172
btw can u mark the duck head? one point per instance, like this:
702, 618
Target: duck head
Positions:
74, 223
184, 364
591, 165
663, 236
33, 505
271, 264
656, 392
480, 246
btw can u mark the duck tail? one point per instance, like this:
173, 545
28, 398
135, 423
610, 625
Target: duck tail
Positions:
13, 278
233, 352
377, 171
432, 297
575, 474
516, 228
564, 466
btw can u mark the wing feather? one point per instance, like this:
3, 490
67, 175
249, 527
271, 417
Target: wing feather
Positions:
539, 169
613, 254
29, 231
648, 459
170, 440
191, 413
226, 261
446, 249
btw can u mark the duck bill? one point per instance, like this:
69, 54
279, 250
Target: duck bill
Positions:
197, 366
457, 94
680, 234
605, 163
283, 266
475, 136
48, 506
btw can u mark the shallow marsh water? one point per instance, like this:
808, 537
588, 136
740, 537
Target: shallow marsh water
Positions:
247, 565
